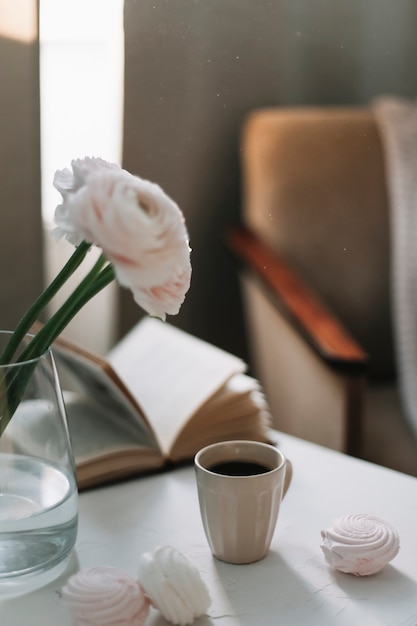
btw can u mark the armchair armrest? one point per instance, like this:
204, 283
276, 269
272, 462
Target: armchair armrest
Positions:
311, 369
319, 326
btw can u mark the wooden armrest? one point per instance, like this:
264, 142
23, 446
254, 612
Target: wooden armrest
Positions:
317, 324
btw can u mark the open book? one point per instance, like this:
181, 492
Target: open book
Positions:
158, 397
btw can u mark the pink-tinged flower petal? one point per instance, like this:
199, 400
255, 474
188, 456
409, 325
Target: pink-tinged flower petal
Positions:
167, 298
105, 596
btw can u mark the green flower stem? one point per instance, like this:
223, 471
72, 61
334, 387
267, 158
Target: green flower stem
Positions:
94, 282
13, 384
58, 322
40, 303
17, 378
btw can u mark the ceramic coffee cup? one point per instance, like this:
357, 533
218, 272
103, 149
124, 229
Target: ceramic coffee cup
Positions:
240, 488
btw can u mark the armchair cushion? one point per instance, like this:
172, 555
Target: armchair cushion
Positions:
314, 190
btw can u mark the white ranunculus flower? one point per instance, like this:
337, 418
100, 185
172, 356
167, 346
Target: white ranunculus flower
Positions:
140, 230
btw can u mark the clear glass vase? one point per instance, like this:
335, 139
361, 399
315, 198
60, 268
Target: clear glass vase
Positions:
38, 489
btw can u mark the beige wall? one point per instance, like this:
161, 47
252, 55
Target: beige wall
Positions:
20, 221
193, 70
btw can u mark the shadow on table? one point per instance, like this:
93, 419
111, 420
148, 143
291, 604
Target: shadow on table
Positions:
312, 592
380, 588
266, 588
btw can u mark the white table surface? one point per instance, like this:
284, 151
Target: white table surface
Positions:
292, 586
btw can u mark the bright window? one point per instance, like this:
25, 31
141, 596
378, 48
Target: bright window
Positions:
81, 47
81, 90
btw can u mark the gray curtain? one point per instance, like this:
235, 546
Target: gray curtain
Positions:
194, 68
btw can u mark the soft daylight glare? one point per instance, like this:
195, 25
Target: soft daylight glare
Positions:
81, 87
81, 44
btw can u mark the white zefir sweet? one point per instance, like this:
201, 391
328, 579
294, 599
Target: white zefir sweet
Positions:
173, 585
105, 596
359, 544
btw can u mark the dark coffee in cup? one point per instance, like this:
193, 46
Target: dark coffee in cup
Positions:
239, 468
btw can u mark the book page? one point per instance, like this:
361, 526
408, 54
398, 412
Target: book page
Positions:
95, 429
107, 410
171, 374
239, 410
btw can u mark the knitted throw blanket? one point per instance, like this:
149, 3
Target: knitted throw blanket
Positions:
397, 121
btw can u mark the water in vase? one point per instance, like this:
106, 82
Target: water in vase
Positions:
38, 515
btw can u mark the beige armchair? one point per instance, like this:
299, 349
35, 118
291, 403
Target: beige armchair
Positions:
314, 253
